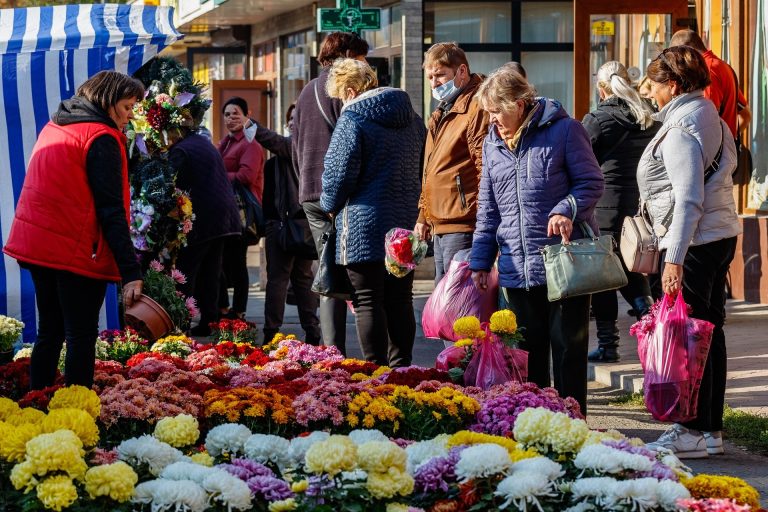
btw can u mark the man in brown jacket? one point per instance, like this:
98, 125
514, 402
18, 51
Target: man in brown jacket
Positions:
453, 155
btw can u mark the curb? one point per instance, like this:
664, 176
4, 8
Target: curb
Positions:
625, 377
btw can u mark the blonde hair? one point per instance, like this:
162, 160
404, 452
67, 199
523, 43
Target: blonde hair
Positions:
350, 73
504, 88
612, 77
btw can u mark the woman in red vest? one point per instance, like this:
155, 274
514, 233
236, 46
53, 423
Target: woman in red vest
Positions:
71, 230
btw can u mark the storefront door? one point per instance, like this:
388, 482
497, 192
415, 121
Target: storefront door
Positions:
256, 92
628, 31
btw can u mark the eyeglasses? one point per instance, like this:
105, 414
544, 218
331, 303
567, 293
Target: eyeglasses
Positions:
662, 57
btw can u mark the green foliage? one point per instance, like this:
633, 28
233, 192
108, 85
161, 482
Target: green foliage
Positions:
747, 430
162, 288
628, 400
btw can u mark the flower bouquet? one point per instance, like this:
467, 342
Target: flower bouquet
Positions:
160, 286
119, 346
10, 330
404, 251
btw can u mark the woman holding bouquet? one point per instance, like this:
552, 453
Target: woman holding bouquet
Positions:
371, 184
536, 161
71, 224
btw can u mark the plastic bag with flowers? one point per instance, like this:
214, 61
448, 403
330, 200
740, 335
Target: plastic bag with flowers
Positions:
404, 251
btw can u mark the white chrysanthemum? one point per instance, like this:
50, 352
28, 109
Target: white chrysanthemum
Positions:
228, 438
605, 459
357, 475
228, 490
541, 465
591, 487
186, 471
424, 451
581, 507
300, 445
639, 494
268, 448
524, 488
148, 450
482, 460
362, 436
671, 460
669, 492
164, 495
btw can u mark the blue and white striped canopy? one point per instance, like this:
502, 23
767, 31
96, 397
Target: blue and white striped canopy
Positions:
46, 53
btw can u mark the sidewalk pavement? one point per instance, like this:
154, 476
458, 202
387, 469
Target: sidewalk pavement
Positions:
746, 333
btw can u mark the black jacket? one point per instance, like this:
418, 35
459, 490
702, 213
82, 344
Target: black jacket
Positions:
102, 165
618, 142
281, 181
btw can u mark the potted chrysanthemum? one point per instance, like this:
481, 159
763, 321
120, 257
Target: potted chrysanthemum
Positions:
10, 330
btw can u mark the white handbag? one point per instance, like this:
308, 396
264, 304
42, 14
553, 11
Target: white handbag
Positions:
639, 246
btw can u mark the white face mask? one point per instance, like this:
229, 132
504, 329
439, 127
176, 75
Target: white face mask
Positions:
446, 92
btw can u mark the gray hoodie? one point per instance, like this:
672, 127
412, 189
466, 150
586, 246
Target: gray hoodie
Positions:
685, 211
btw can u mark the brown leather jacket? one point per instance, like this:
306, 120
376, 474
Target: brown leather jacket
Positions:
453, 163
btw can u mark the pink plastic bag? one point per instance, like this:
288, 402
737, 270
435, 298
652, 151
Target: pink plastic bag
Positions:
450, 357
495, 363
673, 351
456, 296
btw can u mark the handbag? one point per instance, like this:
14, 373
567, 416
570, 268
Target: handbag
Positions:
331, 279
251, 214
583, 266
295, 238
638, 245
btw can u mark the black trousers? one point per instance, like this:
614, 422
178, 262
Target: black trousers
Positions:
235, 274
605, 305
201, 263
283, 267
705, 270
386, 326
333, 312
563, 328
68, 308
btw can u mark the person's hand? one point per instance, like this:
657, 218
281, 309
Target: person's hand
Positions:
672, 278
480, 278
422, 231
132, 292
560, 225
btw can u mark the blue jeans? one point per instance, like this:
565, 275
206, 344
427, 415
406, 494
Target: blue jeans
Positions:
446, 247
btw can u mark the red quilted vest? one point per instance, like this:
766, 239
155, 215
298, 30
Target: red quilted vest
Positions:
55, 225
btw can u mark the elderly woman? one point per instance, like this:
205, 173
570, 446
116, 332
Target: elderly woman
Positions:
536, 161
371, 184
619, 129
685, 179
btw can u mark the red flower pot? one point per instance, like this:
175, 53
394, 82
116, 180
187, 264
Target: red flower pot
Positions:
148, 318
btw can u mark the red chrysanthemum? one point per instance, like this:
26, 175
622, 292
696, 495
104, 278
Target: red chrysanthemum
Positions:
402, 251
158, 117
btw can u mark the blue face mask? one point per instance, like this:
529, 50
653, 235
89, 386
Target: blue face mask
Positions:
446, 92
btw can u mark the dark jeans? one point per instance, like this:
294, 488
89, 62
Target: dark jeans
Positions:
282, 267
605, 305
333, 312
704, 273
234, 262
563, 327
386, 326
201, 263
68, 306
446, 246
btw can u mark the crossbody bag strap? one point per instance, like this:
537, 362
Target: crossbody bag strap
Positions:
715, 165
331, 125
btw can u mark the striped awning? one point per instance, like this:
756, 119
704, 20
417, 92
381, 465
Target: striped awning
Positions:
45, 54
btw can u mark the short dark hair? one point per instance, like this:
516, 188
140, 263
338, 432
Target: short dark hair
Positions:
688, 37
517, 67
681, 64
106, 88
238, 102
288, 112
341, 44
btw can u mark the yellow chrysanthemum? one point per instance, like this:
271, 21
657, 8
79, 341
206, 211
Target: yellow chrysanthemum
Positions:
57, 492
597, 437
203, 459
389, 484
724, 487
76, 420
503, 321
468, 438
283, 505
26, 415
464, 342
178, 431
397, 507
379, 456
186, 206
359, 377
115, 480
467, 326
300, 486
58, 451
14, 445
7, 408
76, 397
548, 431
23, 477
381, 370
332, 456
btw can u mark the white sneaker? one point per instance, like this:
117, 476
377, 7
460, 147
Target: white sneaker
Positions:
714, 442
685, 444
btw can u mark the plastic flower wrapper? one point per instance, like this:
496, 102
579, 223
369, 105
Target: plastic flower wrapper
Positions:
404, 251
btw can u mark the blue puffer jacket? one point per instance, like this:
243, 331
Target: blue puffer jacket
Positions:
521, 189
372, 176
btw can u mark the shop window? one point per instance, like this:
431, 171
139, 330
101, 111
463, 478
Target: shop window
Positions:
295, 66
551, 73
546, 22
385, 54
468, 22
757, 190
265, 58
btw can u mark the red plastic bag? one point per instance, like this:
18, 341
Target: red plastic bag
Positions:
673, 351
456, 296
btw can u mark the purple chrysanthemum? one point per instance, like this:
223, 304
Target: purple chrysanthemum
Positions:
269, 488
436, 474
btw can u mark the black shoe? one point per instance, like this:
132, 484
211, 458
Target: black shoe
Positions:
268, 336
642, 306
200, 330
604, 355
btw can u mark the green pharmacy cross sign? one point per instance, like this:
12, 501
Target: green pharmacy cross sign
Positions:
349, 16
